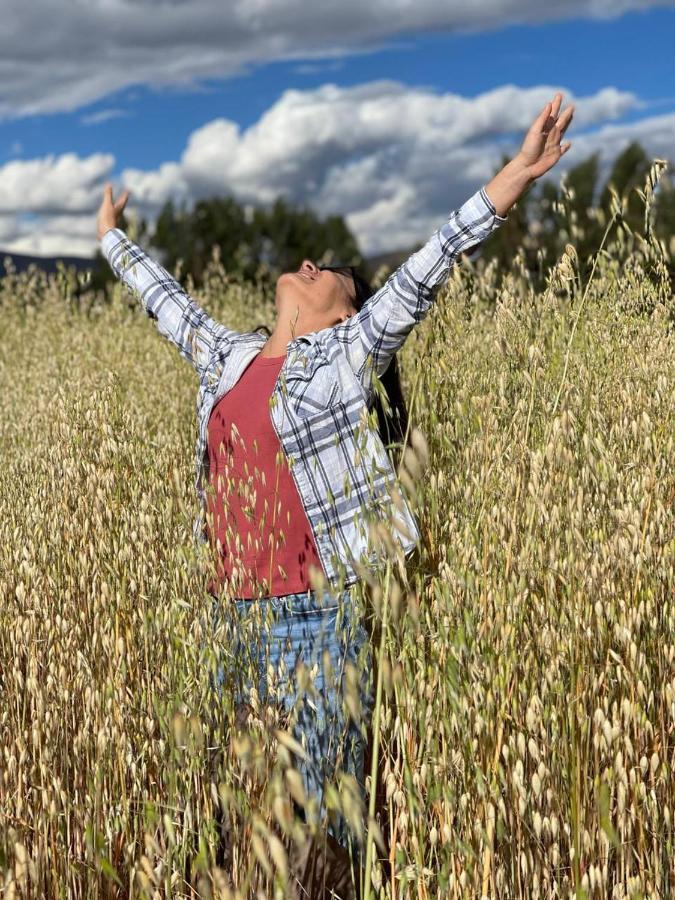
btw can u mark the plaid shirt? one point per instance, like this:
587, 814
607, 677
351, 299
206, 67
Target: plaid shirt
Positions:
320, 402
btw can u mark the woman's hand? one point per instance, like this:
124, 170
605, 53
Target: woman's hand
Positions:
541, 148
109, 213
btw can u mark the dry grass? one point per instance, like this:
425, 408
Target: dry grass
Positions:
525, 733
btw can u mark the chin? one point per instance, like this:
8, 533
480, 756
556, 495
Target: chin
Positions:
289, 289
287, 283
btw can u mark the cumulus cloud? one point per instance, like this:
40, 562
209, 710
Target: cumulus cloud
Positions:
58, 235
388, 157
53, 184
47, 205
393, 160
93, 49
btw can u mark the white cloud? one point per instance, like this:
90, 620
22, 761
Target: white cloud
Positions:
656, 134
168, 44
151, 189
393, 160
59, 235
103, 115
9, 230
356, 151
53, 184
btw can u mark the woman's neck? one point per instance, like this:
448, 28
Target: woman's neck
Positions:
278, 341
274, 347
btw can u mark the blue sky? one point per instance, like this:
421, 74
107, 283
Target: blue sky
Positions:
61, 138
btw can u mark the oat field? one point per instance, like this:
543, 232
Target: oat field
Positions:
523, 736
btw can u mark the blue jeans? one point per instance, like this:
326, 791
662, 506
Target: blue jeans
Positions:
303, 628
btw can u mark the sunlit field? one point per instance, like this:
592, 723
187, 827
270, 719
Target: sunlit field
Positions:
522, 735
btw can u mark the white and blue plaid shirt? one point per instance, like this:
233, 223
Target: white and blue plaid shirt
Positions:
320, 402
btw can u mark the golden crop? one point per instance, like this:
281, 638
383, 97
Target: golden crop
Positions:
526, 658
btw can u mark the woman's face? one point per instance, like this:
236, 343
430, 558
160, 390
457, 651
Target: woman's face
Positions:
315, 298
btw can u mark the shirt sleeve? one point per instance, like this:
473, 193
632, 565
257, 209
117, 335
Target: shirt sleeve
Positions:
384, 321
175, 313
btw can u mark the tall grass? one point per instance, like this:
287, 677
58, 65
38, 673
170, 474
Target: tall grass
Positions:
525, 655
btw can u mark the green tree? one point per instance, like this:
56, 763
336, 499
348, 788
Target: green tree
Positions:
284, 236
628, 172
275, 239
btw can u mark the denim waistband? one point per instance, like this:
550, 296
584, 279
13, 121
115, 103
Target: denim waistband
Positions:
296, 596
298, 602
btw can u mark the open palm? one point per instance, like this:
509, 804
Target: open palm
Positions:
541, 148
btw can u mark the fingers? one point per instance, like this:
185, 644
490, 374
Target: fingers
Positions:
550, 114
565, 119
122, 201
555, 109
551, 110
560, 127
542, 118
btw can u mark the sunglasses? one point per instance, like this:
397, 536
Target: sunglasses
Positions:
349, 271
341, 270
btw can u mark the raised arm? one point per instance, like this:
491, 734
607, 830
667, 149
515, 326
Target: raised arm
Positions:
175, 313
382, 324
385, 320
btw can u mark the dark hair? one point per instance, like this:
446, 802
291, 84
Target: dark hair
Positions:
392, 414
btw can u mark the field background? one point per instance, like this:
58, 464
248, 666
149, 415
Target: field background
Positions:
524, 732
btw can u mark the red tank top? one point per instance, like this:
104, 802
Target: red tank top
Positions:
256, 521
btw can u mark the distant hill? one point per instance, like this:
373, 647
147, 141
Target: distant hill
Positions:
46, 263
391, 260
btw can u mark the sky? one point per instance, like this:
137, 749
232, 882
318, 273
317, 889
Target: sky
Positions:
390, 113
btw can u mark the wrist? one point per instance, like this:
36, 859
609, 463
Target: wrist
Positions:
518, 173
509, 185
104, 229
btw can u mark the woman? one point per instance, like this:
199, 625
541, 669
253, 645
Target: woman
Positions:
287, 464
